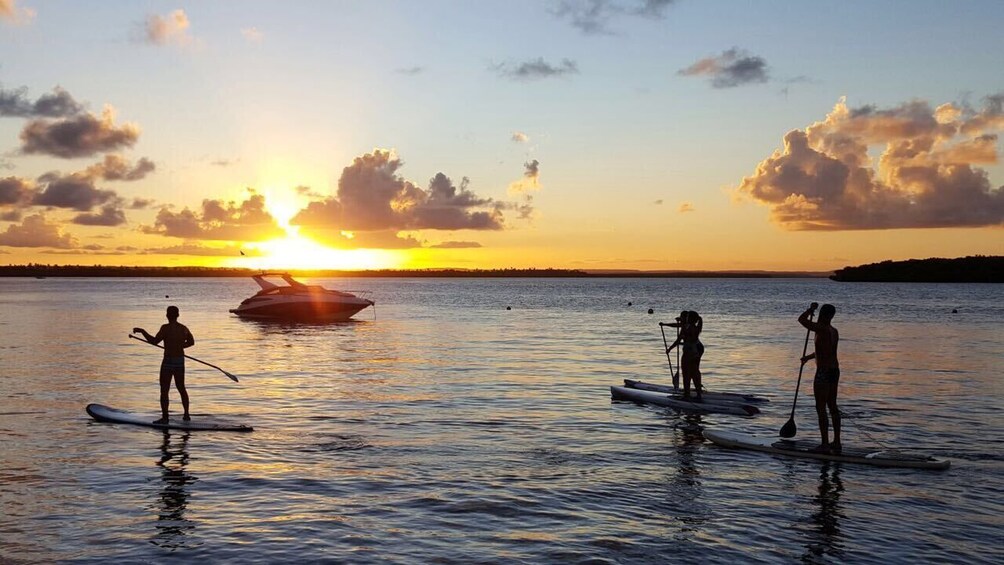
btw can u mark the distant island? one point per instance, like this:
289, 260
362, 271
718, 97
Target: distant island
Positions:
43, 271
978, 268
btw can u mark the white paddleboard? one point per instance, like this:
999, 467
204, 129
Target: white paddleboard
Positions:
712, 396
801, 448
662, 399
103, 413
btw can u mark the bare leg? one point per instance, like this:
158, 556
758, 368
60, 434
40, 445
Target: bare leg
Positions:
179, 382
165, 389
685, 369
820, 391
697, 378
831, 403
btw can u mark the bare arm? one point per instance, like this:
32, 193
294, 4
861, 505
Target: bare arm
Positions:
189, 339
806, 318
675, 343
154, 339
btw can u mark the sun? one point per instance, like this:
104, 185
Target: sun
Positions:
298, 252
295, 251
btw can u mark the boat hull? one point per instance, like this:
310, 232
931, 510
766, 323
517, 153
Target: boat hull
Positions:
302, 310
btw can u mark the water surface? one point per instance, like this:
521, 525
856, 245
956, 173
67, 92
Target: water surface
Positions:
448, 429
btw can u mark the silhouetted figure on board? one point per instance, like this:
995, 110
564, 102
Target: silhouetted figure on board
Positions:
690, 324
176, 338
824, 385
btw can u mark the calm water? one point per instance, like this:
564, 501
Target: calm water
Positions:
451, 430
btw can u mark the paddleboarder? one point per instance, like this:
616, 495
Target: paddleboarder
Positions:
690, 324
176, 338
824, 385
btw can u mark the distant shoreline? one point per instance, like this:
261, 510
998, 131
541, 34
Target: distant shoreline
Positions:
45, 271
974, 269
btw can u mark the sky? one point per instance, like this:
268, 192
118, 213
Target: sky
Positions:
596, 134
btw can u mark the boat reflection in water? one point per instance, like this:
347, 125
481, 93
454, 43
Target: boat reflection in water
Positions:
299, 302
172, 499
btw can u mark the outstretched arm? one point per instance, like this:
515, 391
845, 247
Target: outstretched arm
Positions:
675, 343
154, 339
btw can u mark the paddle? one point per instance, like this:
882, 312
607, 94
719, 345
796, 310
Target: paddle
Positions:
676, 376
788, 429
233, 378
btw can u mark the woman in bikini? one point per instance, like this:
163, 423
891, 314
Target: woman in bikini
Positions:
690, 324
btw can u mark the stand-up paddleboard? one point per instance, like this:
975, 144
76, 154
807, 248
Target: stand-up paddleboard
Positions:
661, 399
712, 396
801, 448
103, 413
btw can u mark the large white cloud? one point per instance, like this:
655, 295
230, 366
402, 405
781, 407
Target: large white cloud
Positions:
824, 178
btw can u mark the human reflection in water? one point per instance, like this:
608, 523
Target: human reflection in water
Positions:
685, 488
825, 545
172, 499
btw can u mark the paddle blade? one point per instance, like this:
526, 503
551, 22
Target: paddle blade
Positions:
233, 378
788, 430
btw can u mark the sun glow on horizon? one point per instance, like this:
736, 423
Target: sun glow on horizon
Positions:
298, 252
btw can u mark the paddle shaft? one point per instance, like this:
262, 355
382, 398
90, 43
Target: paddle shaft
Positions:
233, 378
669, 358
805, 349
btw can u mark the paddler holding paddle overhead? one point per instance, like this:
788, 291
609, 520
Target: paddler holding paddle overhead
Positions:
176, 338
824, 385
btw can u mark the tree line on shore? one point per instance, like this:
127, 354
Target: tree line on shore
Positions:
976, 268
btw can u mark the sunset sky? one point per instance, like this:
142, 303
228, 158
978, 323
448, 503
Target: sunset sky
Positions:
599, 134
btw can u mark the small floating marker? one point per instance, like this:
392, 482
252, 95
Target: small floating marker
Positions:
651, 311
508, 307
166, 296
955, 311
629, 303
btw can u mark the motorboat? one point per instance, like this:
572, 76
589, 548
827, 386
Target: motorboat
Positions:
298, 301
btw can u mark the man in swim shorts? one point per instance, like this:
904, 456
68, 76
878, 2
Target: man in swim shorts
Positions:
824, 386
176, 338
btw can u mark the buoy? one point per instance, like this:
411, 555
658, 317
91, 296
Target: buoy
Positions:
954, 311
166, 296
508, 307
629, 303
651, 311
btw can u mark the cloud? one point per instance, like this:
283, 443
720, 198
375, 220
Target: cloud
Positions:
530, 180
304, 190
385, 239
535, 69
194, 248
58, 104
520, 137
116, 167
456, 245
171, 29
224, 162
110, 215
82, 135
732, 68
593, 17
16, 191
658, 202
72, 191
219, 221
141, 203
410, 70
825, 178
34, 231
252, 35
10, 12
372, 197
685, 207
